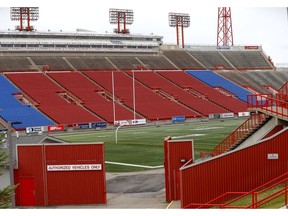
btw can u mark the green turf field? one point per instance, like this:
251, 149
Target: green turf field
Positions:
142, 147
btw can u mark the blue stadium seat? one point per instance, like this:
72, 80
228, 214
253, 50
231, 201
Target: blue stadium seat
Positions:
214, 80
12, 110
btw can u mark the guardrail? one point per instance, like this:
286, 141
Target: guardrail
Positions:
275, 105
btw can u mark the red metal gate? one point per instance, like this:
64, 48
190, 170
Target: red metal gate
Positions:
176, 154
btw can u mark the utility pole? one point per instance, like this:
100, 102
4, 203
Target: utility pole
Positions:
11, 159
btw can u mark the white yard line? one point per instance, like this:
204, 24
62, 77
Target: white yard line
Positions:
189, 135
134, 165
207, 128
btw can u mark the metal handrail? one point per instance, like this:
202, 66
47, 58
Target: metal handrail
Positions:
254, 193
239, 133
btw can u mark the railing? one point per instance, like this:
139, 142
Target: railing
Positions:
238, 134
254, 199
284, 88
276, 105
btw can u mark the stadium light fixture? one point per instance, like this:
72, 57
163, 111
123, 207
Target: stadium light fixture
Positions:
179, 20
24, 13
121, 17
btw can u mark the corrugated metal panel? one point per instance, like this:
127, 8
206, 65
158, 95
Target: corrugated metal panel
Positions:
68, 187
64, 187
30, 165
177, 153
238, 171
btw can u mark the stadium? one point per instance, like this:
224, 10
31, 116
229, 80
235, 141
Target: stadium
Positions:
141, 118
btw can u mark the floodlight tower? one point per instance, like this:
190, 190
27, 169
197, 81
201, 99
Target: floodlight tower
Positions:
179, 20
24, 13
121, 17
224, 30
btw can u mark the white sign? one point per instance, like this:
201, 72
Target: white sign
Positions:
75, 167
272, 157
138, 121
122, 122
227, 115
34, 129
241, 114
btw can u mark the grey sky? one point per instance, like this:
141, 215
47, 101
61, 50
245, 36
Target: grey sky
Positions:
254, 22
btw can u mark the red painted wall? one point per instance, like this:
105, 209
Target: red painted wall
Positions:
62, 187
276, 129
238, 171
174, 151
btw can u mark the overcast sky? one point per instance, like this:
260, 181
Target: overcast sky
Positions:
255, 22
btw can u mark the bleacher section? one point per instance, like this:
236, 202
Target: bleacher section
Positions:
12, 110
51, 98
125, 62
257, 79
54, 62
186, 81
268, 78
215, 80
190, 59
243, 79
92, 95
15, 63
156, 62
212, 60
183, 60
161, 85
147, 103
89, 62
247, 60
80, 82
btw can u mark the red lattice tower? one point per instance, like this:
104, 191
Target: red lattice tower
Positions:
24, 13
179, 20
224, 30
121, 17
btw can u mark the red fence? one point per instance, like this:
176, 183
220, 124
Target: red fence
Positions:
284, 88
238, 171
253, 199
276, 105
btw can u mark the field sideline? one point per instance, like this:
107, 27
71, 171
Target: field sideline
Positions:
140, 148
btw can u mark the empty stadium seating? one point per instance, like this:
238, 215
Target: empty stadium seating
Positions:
54, 62
188, 82
197, 103
147, 103
89, 62
46, 93
87, 95
12, 110
212, 60
256, 79
15, 63
90, 94
183, 60
215, 80
242, 79
125, 62
245, 60
156, 62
